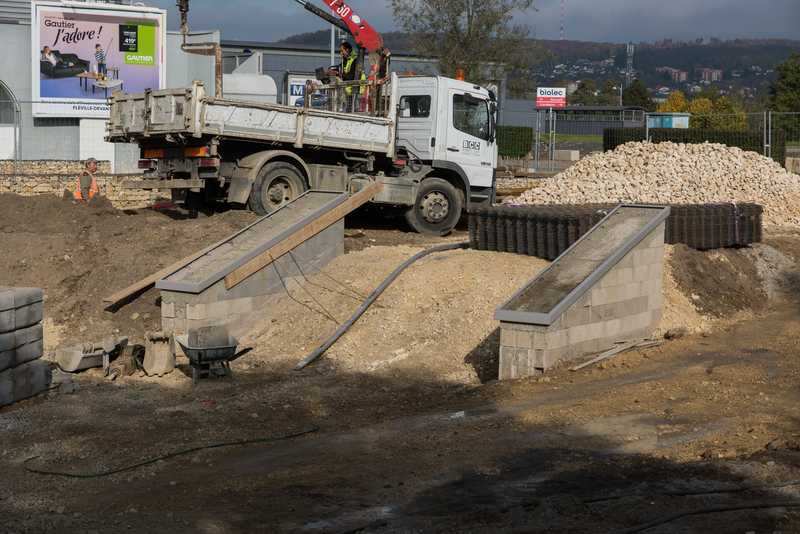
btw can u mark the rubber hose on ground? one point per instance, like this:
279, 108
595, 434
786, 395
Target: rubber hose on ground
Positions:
319, 351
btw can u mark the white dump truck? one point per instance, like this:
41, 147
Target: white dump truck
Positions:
429, 140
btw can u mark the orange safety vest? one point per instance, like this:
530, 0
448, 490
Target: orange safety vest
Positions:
93, 190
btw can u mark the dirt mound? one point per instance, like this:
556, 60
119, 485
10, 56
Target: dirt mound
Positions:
79, 254
438, 318
721, 282
426, 324
670, 173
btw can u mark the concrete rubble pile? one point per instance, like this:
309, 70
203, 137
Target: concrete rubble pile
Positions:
22, 372
670, 173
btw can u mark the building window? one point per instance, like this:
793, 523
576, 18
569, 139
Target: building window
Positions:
7, 105
471, 116
415, 107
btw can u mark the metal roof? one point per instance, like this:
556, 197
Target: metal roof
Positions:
15, 11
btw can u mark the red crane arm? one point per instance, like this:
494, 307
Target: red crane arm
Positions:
365, 35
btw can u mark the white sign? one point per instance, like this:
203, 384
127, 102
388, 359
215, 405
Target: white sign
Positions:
81, 55
296, 87
551, 97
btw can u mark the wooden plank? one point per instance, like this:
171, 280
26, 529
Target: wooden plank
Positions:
617, 350
121, 296
301, 236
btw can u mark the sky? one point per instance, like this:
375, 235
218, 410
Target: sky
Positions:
586, 20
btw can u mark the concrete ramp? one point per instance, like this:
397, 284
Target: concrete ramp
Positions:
605, 289
197, 295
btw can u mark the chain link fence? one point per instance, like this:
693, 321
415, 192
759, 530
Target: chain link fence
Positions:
556, 139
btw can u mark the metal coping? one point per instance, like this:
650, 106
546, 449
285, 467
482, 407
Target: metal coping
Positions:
504, 314
196, 288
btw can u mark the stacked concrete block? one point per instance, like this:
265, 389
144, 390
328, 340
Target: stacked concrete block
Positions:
623, 304
22, 373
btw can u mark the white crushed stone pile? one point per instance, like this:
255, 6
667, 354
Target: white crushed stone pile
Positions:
672, 173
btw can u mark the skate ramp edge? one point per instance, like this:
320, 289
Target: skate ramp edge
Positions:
605, 289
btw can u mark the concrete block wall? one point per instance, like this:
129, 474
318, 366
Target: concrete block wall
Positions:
31, 178
22, 372
249, 303
624, 305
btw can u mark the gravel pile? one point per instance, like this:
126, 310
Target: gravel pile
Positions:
670, 173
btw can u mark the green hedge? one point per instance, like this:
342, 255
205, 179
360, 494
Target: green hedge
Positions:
514, 141
746, 140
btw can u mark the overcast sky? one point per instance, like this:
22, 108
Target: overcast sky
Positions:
586, 20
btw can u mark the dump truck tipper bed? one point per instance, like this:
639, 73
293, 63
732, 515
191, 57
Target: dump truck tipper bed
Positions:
190, 112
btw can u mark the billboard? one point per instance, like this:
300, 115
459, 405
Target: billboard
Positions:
83, 53
551, 97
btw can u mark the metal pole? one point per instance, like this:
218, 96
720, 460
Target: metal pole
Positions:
333, 44
537, 140
769, 138
766, 140
551, 148
646, 126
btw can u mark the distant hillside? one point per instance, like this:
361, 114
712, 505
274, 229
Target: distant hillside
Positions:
736, 54
394, 40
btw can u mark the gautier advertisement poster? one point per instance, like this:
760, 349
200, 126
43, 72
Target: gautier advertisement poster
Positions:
83, 55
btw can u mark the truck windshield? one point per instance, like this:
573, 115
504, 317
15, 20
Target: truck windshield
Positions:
471, 116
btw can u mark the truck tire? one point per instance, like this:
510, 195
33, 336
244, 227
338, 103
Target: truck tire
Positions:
437, 209
277, 184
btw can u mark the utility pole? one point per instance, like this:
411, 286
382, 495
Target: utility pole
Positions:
333, 45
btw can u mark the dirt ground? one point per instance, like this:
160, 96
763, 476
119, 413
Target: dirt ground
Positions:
408, 430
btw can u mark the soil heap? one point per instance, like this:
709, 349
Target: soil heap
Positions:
79, 254
670, 173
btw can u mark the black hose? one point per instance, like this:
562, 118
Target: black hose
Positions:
319, 351
711, 510
151, 461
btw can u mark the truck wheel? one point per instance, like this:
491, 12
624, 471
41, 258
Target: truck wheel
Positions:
437, 209
277, 184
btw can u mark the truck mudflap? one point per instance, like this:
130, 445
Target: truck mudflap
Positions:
163, 184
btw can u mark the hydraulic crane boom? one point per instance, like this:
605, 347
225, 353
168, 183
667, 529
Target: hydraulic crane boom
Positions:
365, 35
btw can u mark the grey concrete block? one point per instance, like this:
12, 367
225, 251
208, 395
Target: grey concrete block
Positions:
21, 346
7, 359
28, 353
29, 335
24, 381
8, 341
20, 307
577, 315
31, 379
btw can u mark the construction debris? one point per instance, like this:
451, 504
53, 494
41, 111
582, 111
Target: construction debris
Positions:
159, 355
623, 347
87, 356
670, 173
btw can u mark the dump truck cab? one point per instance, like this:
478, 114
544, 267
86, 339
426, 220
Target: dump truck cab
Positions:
449, 125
